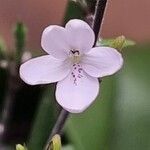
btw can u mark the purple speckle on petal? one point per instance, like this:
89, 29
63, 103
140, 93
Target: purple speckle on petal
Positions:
77, 73
79, 70
79, 76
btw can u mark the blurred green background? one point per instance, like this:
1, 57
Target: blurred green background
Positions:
118, 120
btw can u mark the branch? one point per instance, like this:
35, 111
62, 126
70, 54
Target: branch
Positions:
57, 129
98, 17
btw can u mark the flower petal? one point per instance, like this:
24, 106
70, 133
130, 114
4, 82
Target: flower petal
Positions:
102, 61
77, 91
54, 41
43, 70
81, 36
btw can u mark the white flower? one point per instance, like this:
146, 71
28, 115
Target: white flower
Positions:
73, 63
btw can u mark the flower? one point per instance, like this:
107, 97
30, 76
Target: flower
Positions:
73, 63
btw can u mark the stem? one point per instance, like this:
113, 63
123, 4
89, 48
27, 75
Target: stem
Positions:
57, 129
13, 85
98, 17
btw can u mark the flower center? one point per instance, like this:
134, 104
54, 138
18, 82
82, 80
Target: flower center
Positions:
75, 56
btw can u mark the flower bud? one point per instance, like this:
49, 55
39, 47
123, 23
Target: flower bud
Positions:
118, 43
55, 143
20, 147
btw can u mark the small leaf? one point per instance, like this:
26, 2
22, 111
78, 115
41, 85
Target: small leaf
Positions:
55, 143
118, 43
129, 43
104, 42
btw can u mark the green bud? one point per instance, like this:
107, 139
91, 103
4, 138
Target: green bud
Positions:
20, 36
20, 147
118, 43
55, 143
2, 49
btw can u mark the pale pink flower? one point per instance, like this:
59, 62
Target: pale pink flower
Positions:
73, 63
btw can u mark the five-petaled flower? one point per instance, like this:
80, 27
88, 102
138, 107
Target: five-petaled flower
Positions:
73, 63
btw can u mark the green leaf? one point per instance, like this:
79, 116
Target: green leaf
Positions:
131, 113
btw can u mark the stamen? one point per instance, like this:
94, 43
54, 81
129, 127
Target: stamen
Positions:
75, 56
